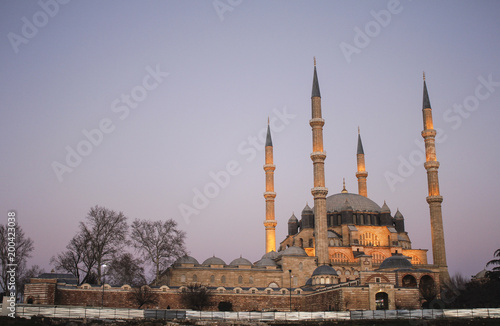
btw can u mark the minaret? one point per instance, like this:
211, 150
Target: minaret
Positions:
434, 199
361, 174
269, 195
319, 191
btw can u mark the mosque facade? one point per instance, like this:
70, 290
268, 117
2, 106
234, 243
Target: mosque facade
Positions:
345, 243
344, 253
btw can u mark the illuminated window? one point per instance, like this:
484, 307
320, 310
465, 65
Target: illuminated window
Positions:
183, 278
415, 260
369, 239
377, 257
339, 257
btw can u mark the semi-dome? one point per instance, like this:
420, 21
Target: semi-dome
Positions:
272, 255
397, 261
324, 270
265, 262
309, 282
186, 260
240, 262
357, 202
294, 251
213, 261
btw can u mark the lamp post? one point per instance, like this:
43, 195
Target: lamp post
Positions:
103, 281
290, 289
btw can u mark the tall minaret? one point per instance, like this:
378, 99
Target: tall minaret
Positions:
319, 191
269, 167
434, 199
361, 174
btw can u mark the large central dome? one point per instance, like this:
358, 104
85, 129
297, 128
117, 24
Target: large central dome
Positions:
357, 202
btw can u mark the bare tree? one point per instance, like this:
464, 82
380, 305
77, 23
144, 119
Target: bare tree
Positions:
101, 236
196, 296
160, 242
144, 296
78, 259
107, 231
23, 247
125, 269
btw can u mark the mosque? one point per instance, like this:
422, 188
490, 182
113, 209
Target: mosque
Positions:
346, 252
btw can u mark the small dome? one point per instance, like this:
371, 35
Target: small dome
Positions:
186, 260
213, 261
385, 208
272, 255
324, 270
294, 251
264, 262
397, 261
307, 209
398, 215
240, 262
293, 219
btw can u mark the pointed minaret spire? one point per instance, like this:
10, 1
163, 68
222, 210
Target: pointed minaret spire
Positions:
361, 174
434, 199
319, 191
269, 195
315, 88
269, 141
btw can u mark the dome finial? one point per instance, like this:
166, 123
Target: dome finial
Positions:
344, 190
314, 61
424, 75
358, 131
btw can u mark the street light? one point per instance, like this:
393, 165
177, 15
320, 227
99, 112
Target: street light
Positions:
290, 289
103, 281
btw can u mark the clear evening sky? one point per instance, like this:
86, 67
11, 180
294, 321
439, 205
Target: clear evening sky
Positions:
139, 105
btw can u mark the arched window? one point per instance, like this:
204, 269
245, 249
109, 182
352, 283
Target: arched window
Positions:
195, 278
310, 243
301, 243
354, 219
377, 257
301, 266
339, 219
223, 279
250, 280
415, 260
361, 220
183, 278
369, 239
212, 279
240, 279
409, 281
339, 257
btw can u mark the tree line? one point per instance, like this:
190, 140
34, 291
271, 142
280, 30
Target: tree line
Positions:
104, 246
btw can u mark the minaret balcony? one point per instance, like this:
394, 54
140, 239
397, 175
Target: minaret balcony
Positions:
429, 165
269, 194
318, 156
314, 122
269, 167
434, 199
319, 192
429, 133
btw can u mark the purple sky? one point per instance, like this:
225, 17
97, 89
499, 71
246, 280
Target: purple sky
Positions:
181, 88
